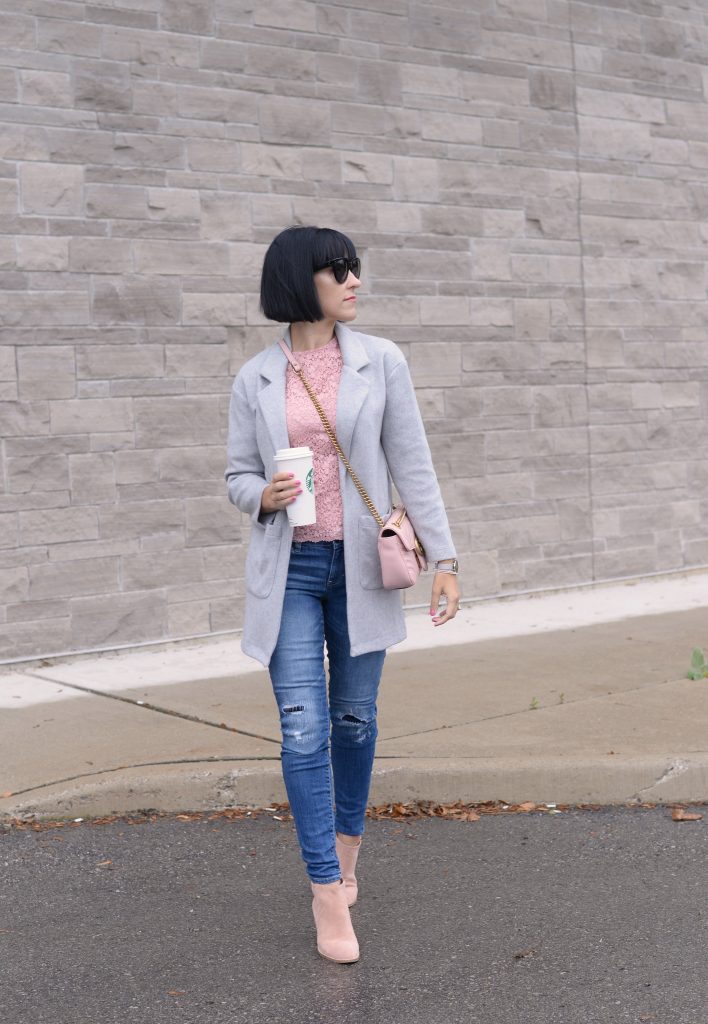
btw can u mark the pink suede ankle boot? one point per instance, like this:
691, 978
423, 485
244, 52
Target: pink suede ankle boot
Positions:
335, 935
347, 863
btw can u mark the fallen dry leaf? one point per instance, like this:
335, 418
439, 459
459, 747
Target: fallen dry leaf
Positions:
7, 792
102, 863
176, 992
681, 814
524, 953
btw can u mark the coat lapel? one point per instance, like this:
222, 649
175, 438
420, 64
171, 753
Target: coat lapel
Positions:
353, 389
271, 398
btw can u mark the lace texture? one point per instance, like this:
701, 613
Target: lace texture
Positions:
322, 368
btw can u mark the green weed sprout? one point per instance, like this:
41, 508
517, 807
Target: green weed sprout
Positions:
699, 667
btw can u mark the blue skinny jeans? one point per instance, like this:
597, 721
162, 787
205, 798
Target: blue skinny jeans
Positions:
328, 791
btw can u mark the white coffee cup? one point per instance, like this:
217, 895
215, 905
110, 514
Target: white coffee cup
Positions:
301, 512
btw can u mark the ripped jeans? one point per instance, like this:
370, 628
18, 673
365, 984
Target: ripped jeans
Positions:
326, 793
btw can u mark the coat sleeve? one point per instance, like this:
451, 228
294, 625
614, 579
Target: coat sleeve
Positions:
245, 472
411, 465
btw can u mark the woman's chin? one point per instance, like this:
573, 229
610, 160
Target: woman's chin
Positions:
349, 312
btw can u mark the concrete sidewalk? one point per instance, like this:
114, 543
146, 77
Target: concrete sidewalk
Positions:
574, 697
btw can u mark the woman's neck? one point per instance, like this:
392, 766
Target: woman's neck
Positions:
305, 336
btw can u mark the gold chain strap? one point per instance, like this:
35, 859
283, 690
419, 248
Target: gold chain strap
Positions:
333, 438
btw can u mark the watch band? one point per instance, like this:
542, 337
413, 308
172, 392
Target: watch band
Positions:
446, 567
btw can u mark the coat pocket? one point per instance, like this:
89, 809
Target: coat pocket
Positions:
262, 557
369, 562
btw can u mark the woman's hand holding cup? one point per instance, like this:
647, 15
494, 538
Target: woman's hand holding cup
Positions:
280, 492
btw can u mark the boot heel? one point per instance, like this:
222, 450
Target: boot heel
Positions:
336, 940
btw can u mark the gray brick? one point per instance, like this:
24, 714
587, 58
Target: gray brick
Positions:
225, 216
98, 622
149, 299
37, 253
286, 120
64, 37
79, 416
46, 472
149, 570
158, 257
14, 585
451, 127
43, 88
426, 80
553, 90
57, 525
119, 361
217, 104
46, 372
186, 15
209, 522
197, 360
192, 618
102, 85
173, 204
51, 189
100, 255
299, 15
17, 31
92, 478
357, 118
72, 579
23, 418
168, 422
146, 47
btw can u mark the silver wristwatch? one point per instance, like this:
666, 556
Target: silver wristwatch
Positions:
454, 567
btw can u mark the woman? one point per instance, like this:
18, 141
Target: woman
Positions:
311, 586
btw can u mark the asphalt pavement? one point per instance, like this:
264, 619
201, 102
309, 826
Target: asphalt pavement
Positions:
573, 917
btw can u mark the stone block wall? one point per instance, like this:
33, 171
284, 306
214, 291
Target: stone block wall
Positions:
528, 183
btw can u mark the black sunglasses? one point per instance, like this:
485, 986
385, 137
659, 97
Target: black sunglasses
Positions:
341, 267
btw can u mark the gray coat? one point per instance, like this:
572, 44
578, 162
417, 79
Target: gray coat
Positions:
380, 429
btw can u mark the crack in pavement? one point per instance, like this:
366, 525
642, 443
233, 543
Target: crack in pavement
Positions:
523, 711
216, 759
147, 706
676, 767
138, 764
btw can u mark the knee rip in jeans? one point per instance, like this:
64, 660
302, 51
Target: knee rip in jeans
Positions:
356, 728
300, 734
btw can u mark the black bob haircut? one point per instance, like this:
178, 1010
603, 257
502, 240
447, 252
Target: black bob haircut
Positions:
288, 292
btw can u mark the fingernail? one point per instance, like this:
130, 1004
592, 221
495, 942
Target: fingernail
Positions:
298, 492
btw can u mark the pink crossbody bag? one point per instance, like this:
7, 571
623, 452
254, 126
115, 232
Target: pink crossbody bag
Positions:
401, 554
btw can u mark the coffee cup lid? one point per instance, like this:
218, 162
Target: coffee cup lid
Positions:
293, 453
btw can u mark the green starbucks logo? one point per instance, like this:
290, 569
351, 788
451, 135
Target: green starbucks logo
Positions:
309, 481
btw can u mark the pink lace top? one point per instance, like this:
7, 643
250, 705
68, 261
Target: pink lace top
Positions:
322, 368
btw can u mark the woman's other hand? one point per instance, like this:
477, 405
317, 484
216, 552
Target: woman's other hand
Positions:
280, 492
444, 583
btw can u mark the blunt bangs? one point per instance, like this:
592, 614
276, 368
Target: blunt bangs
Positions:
288, 292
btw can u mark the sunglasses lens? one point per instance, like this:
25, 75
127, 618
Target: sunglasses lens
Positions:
340, 269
